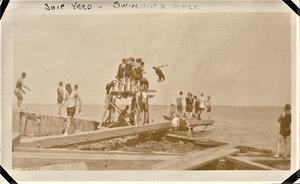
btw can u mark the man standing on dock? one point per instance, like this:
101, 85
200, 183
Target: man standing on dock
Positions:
285, 130
60, 96
19, 89
180, 104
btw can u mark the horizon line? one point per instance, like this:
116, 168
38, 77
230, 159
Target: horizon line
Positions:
247, 105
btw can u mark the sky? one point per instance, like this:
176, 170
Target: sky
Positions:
237, 58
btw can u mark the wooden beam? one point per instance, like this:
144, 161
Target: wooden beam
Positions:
241, 163
201, 142
84, 137
38, 159
16, 139
200, 122
85, 152
195, 160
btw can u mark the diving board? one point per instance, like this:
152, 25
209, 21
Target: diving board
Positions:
83, 137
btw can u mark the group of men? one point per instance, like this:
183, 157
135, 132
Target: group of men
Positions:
194, 106
129, 78
130, 75
71, 98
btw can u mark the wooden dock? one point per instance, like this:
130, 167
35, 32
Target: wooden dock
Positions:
36, 125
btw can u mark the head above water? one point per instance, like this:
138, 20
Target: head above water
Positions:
75, 86
61, 84
68, 88
181, 93
23, 75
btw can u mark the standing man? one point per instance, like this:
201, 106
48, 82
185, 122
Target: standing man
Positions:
201, 105
19, 89
71, 99
189, 101
208, 107
60, 96
285, 130
78, 99
180, 104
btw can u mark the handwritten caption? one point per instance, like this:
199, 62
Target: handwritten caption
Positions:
81, 6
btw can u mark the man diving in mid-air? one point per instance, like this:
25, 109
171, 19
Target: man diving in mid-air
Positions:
159, 73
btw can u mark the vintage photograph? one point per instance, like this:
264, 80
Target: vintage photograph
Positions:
155, 91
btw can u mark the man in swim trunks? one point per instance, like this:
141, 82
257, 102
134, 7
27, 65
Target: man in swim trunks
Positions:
19, 89
208, 107
159, 73
201, 105
71, 98
60, 96
180, 104
129, 75
285, 130
189, 105
138, 73
120, 74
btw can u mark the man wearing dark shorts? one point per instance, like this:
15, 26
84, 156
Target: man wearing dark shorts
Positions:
120, 74
159, 73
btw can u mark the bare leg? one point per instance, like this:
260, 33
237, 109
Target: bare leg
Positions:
278, 146
68, 125
126, 83
19, 102
137, 121
285, 147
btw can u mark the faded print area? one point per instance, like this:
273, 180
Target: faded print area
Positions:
233, 69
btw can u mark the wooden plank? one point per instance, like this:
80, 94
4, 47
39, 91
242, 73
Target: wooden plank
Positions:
200, 122
195, 160
201, 142
85, 152
16, 139
68, 166
247, 164
60, 141
37, 159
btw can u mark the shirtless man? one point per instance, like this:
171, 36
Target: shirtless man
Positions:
202, 104
285, 131
159, 73
179, 101
71, 99
19, 89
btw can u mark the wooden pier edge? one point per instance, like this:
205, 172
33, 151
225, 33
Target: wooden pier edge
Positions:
247, 164
84, 137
